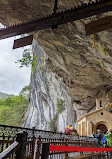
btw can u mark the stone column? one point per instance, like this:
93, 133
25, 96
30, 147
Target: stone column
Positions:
79, 129
83, 128
89, 128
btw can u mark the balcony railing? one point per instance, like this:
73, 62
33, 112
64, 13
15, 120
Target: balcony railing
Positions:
31, 140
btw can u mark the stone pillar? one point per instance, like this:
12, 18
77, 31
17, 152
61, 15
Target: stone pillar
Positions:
83, 128
89, 127
76, 127
97, 104
79, 129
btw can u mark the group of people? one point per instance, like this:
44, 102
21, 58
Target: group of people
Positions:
106, 141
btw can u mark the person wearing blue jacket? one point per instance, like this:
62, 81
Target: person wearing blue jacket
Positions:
104, 139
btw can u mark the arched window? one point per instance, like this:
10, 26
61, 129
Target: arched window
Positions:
101, 103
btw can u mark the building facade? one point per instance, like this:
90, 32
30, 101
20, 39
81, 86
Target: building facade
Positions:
98, 119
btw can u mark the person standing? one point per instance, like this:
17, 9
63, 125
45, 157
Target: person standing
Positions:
98, 136
104, 139
108, 136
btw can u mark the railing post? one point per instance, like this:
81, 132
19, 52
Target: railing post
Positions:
66, 153
81, 145
21, 138
33, 142
39, 142
33, 132
2, 146
106, 154
45, 150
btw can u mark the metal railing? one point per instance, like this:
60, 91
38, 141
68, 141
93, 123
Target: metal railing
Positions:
9, 132
35, 138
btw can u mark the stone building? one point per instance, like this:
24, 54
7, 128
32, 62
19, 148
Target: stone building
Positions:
97, 119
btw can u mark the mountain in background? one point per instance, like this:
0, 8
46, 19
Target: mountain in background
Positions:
4, 95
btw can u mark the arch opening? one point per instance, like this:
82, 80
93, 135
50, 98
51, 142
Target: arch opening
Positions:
102, 127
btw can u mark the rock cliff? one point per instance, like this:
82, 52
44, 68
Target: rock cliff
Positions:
77, 67
50, 101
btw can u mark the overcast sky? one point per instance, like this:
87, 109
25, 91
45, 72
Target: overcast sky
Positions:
12, 78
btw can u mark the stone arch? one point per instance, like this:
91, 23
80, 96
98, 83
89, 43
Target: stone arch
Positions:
102, 125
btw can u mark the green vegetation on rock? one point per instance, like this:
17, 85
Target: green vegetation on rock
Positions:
92, 39
60, 107
28, 59
53, 122
101, 63
102, 49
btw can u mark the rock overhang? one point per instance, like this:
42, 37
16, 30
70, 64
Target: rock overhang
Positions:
70, 51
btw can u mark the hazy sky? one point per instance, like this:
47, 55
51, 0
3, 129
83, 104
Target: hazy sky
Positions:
12, 78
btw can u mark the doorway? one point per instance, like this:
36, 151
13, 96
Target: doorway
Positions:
102, 127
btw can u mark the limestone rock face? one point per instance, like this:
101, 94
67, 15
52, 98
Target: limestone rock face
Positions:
46, 90
78, 67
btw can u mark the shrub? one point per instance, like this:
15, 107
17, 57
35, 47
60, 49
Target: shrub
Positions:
53, 123
60, 107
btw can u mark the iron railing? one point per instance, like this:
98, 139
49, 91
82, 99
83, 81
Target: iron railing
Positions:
35, 138
9, 132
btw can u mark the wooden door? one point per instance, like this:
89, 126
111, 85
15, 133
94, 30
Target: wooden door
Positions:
102, 127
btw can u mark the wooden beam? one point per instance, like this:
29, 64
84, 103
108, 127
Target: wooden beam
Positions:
63, 17
99, 25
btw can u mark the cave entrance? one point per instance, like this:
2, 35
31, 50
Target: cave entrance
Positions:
102, 127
